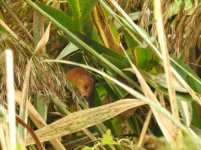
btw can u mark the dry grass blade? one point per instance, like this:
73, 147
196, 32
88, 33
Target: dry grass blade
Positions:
43, 41
37, 119
25, 91
4, 136
144, 129
14, 16
10, 97
168, 128
83, 119
30, 130
188, 88
8, 29
166, 62
187, 113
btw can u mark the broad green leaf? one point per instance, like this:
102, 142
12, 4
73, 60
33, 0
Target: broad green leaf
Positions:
107, 139
117, 62
145, 58
40, 105
61, 17
161, 80
89, 29
116, 124
133, 31
87, 148
77, 57
196, 120
98, 47
98, 96
81, 11
88, 7
134, 124
70, 48
102, 92
111, 92
74, 6
62, 108
187, 74
173, 9
188, 5
179, 96
131, 43
134, 15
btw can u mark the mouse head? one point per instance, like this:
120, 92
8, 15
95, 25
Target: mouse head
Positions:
81, 80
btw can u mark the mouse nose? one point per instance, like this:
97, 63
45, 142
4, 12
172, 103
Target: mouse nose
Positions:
86, 87
85, 95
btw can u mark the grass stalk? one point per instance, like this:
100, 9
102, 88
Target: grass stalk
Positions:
11, 98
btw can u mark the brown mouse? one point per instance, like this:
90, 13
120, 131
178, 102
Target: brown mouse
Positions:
81, 80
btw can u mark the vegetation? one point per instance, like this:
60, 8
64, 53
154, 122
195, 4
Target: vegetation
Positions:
143, 56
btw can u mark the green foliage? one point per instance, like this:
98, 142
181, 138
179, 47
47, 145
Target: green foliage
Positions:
188, 75
70, 48
175, 7
145, 58
85, 45
49, 12
107, 139
2, 30
81, 10
65, 20
87, 148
